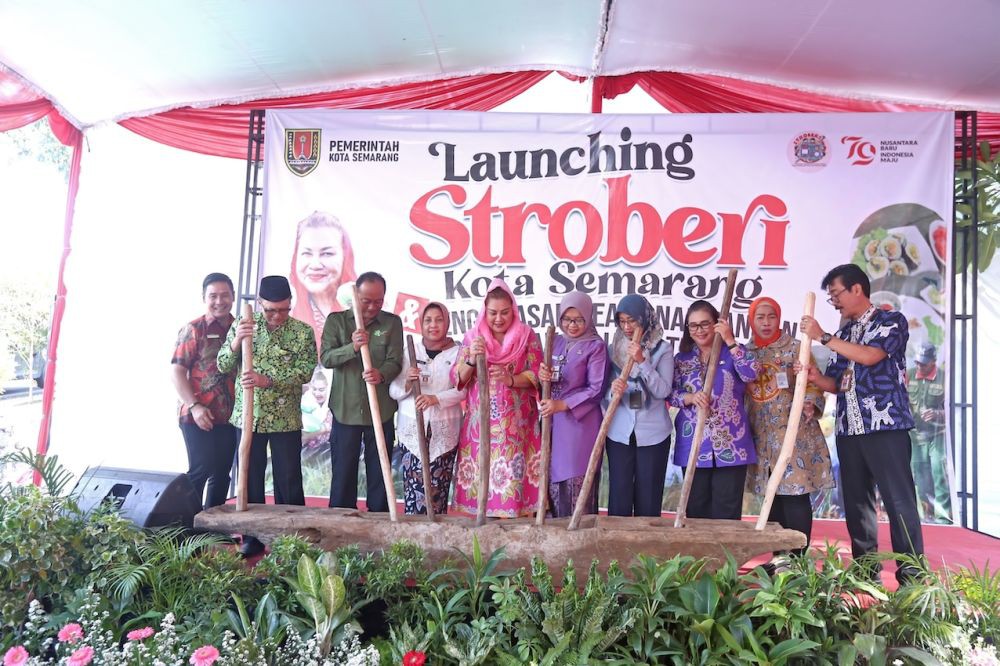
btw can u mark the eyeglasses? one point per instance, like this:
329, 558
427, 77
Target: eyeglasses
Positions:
700, 326
274, 311
572, 321
834, 296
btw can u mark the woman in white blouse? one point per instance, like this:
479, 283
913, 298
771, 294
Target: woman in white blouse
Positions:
441, 404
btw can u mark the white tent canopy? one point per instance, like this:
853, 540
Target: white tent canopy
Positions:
140, 206
100, 60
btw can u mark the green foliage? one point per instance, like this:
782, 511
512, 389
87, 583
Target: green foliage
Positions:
55, 478
187, 576
353, 566
321, 593
36, 140
49, 549
281, 563
981, 589
654, 593
301, 603
398, 576
260, 637
570, 626
25, 314
987, 185
6, 362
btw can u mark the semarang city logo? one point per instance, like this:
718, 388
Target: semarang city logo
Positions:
809, 151
302, 150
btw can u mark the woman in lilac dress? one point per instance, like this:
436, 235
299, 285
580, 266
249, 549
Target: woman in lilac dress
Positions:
727, 446
579, 367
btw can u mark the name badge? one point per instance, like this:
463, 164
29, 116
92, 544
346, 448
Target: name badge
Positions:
557, 363
847, 381
782, 379
635, 399
212, 336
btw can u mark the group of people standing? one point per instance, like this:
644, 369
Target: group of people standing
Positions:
747, 407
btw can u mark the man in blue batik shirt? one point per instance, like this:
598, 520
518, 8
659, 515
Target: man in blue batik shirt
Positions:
868, 375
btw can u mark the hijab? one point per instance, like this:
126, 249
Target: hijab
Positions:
585, 306
757, 302
515, 340
446, 342
642, 312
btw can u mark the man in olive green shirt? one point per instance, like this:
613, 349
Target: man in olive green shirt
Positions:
352, 418
925, 383
284, 355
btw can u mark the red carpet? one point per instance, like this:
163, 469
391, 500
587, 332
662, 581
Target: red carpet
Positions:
944, 545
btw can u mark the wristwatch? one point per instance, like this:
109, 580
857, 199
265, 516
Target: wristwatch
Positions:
825, 338
191, 405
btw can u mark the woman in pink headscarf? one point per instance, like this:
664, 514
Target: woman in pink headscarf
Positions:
513, 355
322, 261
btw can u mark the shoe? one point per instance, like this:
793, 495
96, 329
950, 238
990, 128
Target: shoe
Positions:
251, 547
908, 575
776, 566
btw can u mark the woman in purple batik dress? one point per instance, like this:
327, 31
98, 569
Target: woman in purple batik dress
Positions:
578, 372
727, 445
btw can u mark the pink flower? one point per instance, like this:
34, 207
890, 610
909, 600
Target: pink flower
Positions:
71, 633
15, 656
982, 657
205, 656
139, 634
81, 656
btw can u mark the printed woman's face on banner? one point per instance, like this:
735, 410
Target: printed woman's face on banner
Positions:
320, 261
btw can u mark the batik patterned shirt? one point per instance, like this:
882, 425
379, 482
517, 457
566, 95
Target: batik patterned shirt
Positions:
286, 355
197, 347
728, 439
873, 398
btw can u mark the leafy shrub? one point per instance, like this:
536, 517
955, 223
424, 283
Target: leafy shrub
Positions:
281, 563
188, 577
981, 589
49, 549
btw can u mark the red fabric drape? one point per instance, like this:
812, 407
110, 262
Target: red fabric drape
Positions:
19, 106
703, 93
222, 130
48, 392
13, 116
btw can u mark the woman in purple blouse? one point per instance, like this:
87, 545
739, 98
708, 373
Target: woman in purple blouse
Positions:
727, 447
578, 372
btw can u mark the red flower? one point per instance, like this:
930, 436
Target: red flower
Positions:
414, 658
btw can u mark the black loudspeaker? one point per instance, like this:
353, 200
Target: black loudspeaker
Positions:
148, 499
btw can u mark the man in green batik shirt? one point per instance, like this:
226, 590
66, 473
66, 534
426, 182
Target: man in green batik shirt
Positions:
352, 417
925, 384
284, 355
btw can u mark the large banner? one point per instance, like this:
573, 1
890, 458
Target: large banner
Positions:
660, 205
